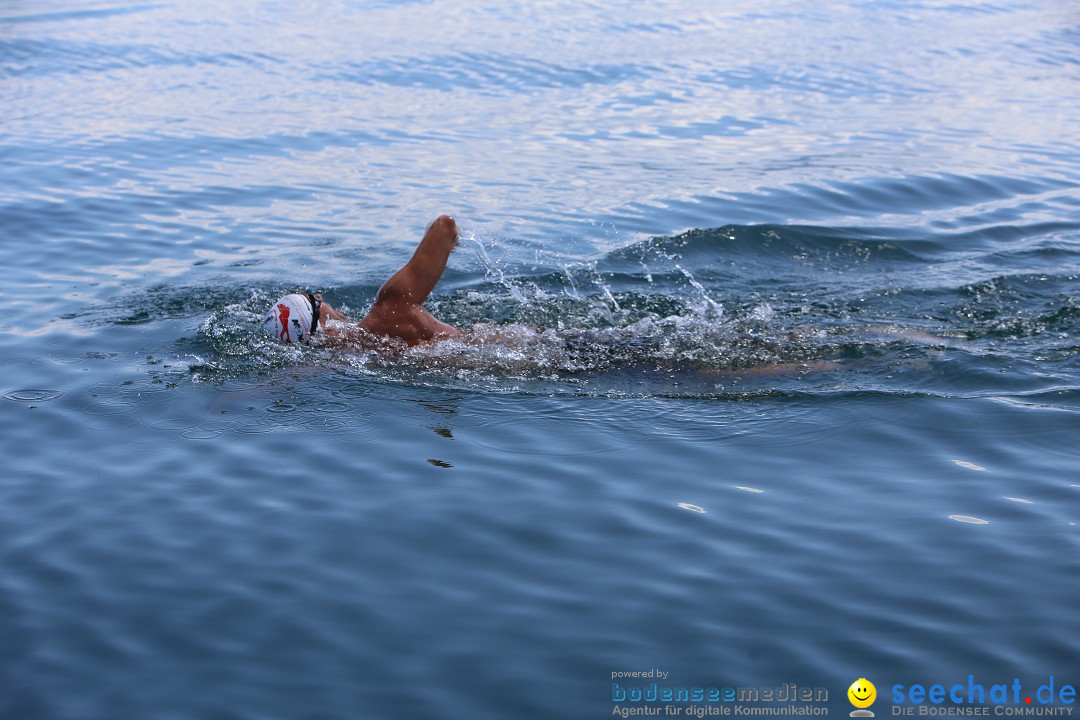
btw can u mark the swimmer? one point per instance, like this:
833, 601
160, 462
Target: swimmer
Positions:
397, 314
397, 318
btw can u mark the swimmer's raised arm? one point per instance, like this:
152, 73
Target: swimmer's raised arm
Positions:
414, 282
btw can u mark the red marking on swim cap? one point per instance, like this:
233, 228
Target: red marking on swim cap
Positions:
283, 318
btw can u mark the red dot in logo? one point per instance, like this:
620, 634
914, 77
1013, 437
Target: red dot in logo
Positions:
1027, 700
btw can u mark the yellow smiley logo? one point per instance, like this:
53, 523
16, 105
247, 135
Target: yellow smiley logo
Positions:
862, 693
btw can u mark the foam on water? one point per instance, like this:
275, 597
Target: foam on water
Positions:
772, 373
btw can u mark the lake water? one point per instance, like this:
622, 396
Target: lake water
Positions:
791, 392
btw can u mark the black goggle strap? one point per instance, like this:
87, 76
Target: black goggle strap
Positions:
316, 305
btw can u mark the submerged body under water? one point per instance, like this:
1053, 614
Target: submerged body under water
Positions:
772, 375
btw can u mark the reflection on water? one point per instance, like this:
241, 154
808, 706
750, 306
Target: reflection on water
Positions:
771, 376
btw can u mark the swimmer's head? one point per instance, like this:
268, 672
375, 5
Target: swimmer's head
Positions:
293, 318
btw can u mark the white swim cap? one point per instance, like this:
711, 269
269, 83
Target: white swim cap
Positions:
291, 319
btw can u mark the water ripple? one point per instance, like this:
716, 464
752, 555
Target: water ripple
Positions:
26, 57
809, 268
483, 72
65, 16
33, 395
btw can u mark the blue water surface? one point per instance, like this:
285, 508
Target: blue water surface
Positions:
773, 373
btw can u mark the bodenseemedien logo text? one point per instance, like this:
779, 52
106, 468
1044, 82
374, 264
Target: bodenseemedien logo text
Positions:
788, 692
